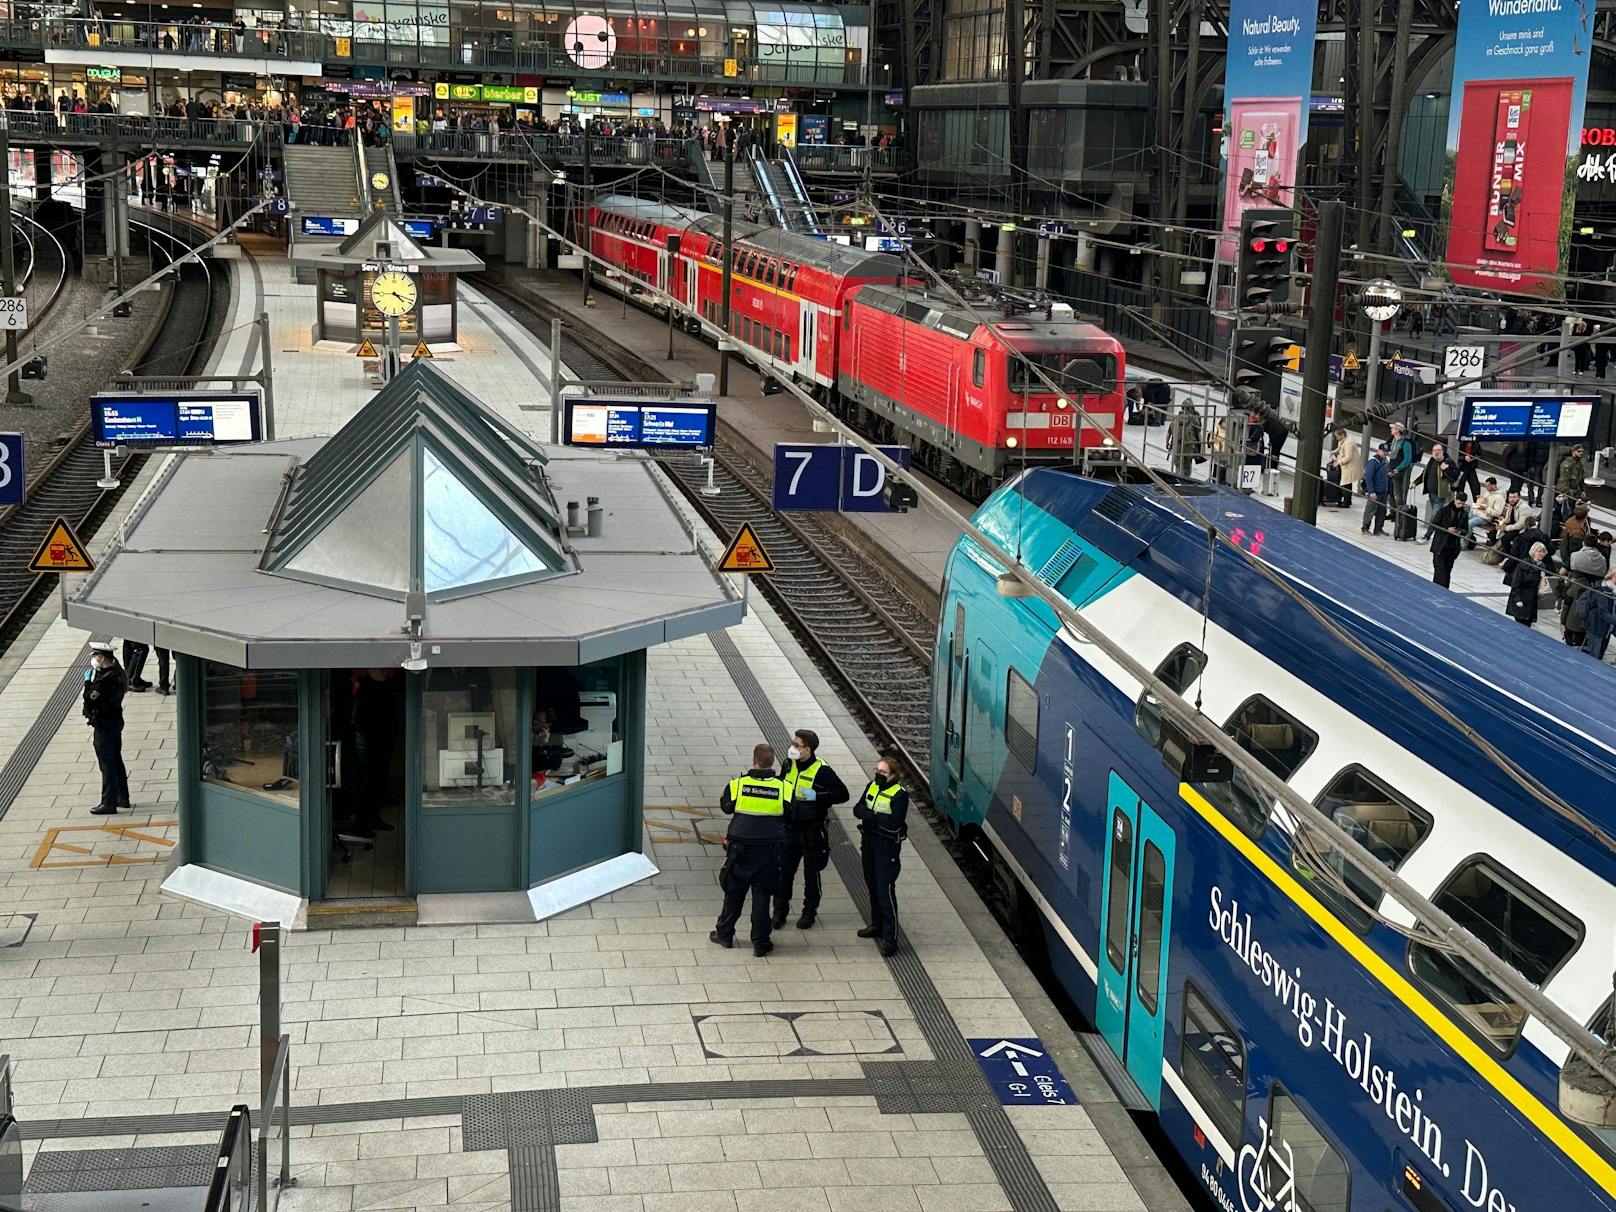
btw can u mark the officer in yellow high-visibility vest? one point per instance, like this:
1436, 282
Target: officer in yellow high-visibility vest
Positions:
756, 804
812, 790
883, 816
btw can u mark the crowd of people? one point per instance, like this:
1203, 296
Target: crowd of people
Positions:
1556, 554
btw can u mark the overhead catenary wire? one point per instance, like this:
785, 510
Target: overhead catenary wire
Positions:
1440, 926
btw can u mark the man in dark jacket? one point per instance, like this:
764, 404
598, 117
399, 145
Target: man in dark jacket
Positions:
103, 710
1447, 534
1377, 487
1436, 481
755, 802
1571, 475
812, 790
1400, 464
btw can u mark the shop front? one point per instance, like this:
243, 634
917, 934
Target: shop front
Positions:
401, 673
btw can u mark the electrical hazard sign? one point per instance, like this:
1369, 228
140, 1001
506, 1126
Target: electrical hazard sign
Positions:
366, 349
61, 551
745, 553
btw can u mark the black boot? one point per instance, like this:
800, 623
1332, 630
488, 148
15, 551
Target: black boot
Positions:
889, 946
869, 932
715, 937
806, 921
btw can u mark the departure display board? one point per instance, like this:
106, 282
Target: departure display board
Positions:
640, 424
188, 419
1530, 418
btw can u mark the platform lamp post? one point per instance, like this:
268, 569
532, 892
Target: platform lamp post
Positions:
1380, 302
729, 258
585, 200
673, 261
8, 270
121, 309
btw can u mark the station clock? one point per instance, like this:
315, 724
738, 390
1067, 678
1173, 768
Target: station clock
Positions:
380, 180
393, 293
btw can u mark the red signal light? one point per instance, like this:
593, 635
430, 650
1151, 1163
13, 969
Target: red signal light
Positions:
1282, 246
1259, 245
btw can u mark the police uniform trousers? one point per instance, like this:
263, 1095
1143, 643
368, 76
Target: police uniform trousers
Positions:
749, 867
108, 742
808, 846
881, 866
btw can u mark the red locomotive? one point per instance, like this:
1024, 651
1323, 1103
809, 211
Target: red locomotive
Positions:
902, 362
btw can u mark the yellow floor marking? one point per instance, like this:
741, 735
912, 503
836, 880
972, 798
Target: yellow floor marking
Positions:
53, 843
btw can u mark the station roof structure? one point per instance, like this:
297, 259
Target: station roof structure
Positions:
426, 528
380, 237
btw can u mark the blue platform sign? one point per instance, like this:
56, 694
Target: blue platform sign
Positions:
1531, 418
12, 485
176, 418
825, 476
628, 424
1021, 1073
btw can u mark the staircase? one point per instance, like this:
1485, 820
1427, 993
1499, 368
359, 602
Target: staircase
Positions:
747, 194
321, 181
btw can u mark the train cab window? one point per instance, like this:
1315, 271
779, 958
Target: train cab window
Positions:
1528, 931
1021, 721
1276, 740
1073, 373
1212, 1058
1376, 817
1179, 671
1318, 1175
979, 369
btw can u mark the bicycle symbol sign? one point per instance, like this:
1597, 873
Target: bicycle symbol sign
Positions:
1265, 1174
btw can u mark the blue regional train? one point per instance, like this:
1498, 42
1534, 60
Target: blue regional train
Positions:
1304, 1045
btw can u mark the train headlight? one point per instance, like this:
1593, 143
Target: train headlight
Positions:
1063, 402
1012, 443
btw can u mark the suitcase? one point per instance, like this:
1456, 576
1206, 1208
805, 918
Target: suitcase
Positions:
1407, 525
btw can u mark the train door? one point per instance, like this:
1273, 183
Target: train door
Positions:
1138, 900
954, 722
984, 704
810, 337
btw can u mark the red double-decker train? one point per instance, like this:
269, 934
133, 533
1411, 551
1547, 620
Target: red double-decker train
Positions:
902, 362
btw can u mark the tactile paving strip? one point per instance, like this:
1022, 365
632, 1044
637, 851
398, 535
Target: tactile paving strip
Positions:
1023, 1185
153, 1168
43, 730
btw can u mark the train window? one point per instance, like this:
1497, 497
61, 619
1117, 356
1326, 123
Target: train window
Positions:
1120, 897
847, 316
1212, 1058
1152, 908
1276, 740
1021, 721
772, 275
1525, 930
1318, 1173
1073, 373
979, 369
1179, 671
1382, 821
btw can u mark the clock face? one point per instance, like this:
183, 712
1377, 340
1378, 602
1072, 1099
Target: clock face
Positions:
379, 180
393, 293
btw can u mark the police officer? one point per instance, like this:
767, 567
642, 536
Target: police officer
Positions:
812, 790
756, 801
104, 687
883, 815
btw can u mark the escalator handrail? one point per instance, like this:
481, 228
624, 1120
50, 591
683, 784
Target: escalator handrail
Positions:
237, 1135
10, 1193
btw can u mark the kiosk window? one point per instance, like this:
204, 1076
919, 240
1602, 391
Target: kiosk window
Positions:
1277, 741
249, 731
1527, 931
1318, 1171
469, 754
577, 733
1212, 1058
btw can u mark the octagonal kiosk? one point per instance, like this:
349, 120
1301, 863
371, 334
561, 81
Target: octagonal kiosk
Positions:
401, 672
345, 273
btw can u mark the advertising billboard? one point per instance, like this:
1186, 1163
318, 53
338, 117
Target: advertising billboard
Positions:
1267, 93
1520, 75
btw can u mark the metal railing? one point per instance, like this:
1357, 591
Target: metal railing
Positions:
836, 158
277, 1106
545, 147
449, 47
145, 129
232, 1187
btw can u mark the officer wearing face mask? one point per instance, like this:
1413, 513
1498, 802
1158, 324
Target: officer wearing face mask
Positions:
883, 815
812, 790
104, 687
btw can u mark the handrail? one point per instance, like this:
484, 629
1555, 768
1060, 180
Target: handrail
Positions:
280, 1082
10, 1164
794, 177
231, 1187
765, 184
361, 169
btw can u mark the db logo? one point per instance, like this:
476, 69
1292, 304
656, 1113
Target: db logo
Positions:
1599, 136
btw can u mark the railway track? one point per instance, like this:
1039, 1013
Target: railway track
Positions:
66, 486
872, 640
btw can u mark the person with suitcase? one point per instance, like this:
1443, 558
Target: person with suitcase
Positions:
1377, 488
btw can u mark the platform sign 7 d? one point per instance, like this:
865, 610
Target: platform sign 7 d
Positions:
825, 476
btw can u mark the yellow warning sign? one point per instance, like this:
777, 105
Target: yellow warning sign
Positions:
745, 553
61, 551
366, 349
1351, 362
421, 351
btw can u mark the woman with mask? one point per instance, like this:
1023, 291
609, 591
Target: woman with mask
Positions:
883, 813
812, 790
